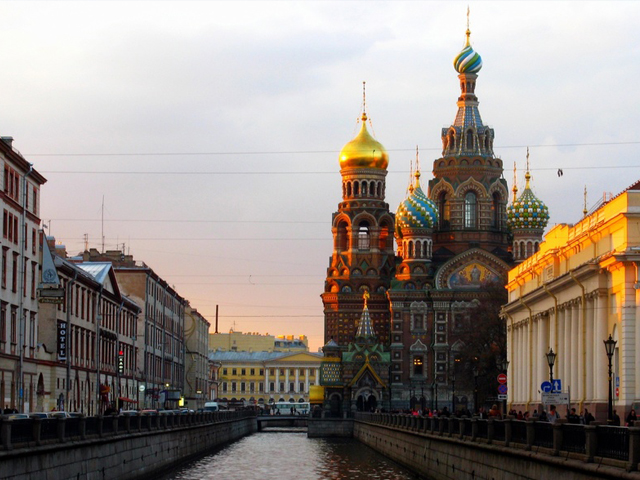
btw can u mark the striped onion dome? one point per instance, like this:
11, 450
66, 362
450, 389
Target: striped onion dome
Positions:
527, 212
468, 60
417, 210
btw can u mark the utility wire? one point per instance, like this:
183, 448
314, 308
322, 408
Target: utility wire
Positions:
304, 152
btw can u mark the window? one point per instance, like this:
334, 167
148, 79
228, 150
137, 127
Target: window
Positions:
470, 210
363, 236
301, 389
242, 387
272, 387
496, 211
261, 387
418, 365
233, 386
224, 387
443, 210
243, 371
3, 322
291, 389
262, 372
234, 371
253, 371
281, 387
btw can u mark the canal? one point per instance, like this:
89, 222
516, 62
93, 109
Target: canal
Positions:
290, 455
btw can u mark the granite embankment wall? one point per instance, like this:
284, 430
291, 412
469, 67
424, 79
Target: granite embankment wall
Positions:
144, 449
449, 454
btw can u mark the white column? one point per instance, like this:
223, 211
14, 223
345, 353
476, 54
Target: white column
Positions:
541, 349
565, 355
627, 341
266, 381
277, 383
296, 385
589, 352
561, 318
306, 380
602, 333
575, 359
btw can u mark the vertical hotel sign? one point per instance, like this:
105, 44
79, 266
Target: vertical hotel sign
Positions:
62, 341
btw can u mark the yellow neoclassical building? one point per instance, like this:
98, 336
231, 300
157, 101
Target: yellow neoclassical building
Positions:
579, 288
258, 378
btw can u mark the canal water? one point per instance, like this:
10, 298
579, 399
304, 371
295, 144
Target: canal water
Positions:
290, 455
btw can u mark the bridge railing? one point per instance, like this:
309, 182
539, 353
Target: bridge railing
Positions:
587, 441
33, 432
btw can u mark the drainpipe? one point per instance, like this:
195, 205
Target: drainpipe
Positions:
68, 335
21, 290
584, 340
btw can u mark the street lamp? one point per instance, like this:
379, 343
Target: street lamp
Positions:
475, 371
551, 360
610, 345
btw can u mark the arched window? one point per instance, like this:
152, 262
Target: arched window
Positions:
363, 236
356, 189
364, 189
443, 210
342, 237
349, 189
469, 139
470, 210
495, 211
418, 249
410, 250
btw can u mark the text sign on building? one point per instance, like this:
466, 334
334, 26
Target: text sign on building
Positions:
62, 341
120, 362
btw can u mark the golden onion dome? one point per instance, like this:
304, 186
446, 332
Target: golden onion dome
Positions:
364, 151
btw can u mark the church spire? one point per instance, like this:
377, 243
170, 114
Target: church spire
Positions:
365, 329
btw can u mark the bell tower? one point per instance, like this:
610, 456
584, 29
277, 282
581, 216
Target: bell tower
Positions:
363, 254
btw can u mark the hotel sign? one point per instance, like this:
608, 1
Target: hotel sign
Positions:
62, 341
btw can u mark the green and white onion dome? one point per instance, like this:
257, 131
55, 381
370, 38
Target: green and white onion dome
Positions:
527, 212
417, 210
468, 60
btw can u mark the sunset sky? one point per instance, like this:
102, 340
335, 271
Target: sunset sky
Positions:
212, 129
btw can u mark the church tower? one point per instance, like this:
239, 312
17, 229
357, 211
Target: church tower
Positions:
363, 254
468, 187
527, 217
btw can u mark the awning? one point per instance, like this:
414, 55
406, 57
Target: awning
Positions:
125, 399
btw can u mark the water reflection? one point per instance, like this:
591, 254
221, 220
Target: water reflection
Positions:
293, 456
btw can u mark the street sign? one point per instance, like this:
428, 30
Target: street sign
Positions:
555, 398
502, 389
545, 386
502, 378
502, 397
557, 385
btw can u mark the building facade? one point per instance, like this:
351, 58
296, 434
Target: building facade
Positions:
160, 339
88, 358
20, 199
235, 341
198, 371
581, 287
261, 378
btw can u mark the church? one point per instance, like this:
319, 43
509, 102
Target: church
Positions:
400, 323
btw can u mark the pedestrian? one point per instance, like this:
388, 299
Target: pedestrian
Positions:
632, 417
588, 417
573, 417
553, 414
494, 412
616, 419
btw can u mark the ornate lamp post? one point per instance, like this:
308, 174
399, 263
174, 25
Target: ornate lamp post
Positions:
551, 360
476, 372
610, 346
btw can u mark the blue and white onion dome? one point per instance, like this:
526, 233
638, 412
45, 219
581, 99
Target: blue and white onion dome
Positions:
417, 210
468, 60
527, 212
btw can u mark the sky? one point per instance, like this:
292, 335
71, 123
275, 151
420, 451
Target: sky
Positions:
203, 137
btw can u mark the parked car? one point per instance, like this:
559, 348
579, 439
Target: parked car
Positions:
40, 415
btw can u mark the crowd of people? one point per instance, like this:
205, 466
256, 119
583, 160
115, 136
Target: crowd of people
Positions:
551, 415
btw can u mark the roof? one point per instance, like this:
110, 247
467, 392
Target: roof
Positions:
218, 356
98, 270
